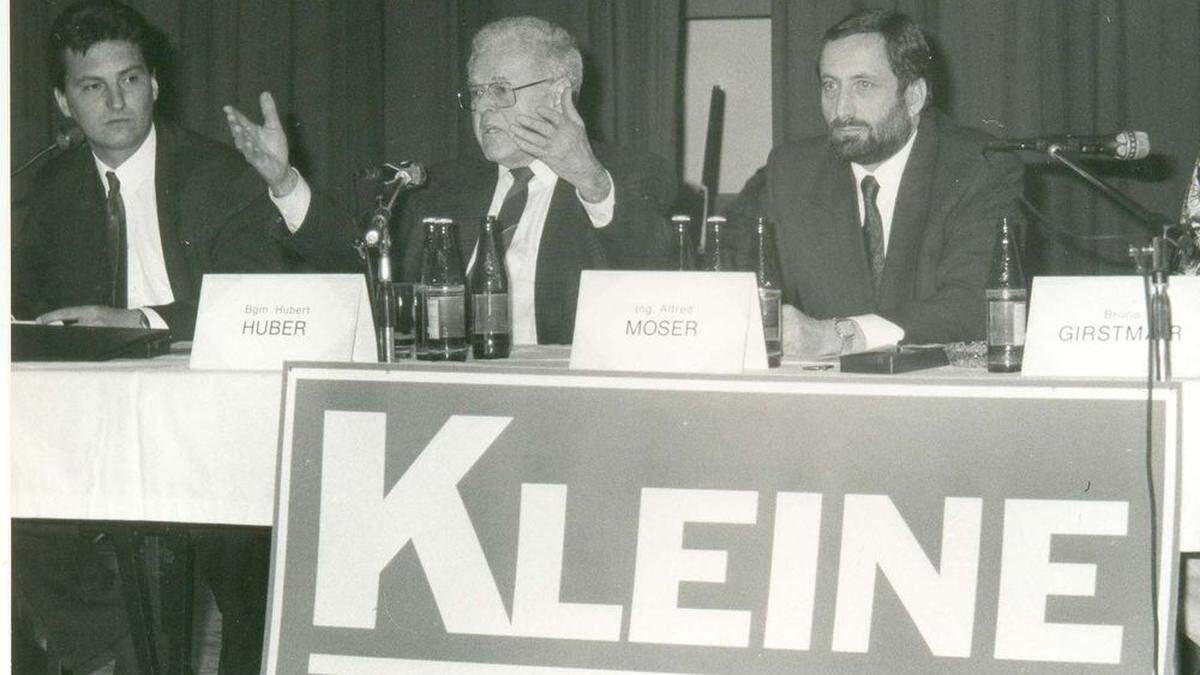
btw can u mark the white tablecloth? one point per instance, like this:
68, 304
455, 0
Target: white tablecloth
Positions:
153, 440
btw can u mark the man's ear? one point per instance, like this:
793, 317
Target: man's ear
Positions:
61, 99
560, 85
153, 87
915, 96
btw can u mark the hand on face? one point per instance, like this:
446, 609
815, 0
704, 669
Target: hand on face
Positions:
94, 315
264, 146
558, 138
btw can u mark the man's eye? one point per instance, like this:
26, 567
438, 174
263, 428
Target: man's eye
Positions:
865, 84
133, 78
91, 87
828, 85
500, 89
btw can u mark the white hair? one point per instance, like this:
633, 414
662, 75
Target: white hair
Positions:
550, 45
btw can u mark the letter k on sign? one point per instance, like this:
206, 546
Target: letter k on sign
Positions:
361, 529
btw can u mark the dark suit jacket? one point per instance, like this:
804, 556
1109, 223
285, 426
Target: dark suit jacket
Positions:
214, 216
951, 199
637, 237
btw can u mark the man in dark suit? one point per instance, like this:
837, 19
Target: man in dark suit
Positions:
121, 231
123, 227
565, 205
884, 225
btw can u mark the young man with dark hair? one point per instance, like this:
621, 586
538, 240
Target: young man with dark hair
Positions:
120, 232
122, 228
885, 223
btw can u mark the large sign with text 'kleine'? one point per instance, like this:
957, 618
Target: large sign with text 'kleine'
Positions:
487, 522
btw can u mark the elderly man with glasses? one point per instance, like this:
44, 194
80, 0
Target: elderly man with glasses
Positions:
565, 205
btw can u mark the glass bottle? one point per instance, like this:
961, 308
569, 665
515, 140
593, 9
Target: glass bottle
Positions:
770, 290
1006, 299
491, 333
685, 260
444, 290
716, 257
420, 335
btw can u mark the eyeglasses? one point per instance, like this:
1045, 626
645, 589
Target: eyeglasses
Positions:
501, 94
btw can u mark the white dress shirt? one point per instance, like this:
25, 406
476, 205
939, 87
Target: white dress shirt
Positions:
149, 284
521, 258
877, 330
145, 266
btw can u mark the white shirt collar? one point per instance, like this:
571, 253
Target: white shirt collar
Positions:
135, 171
891, 169
541, 172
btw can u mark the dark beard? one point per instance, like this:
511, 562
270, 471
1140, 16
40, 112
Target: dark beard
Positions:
880, 143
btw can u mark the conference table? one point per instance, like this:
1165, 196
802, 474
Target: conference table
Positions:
151, 440
154, 441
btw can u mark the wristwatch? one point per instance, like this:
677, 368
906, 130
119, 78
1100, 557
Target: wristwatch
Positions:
846, 331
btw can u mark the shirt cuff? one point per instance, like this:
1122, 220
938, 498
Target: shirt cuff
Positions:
294, 205
152, 316
878, 331
600, 213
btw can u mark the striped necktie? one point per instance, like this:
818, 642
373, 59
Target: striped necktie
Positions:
872, 230
514, 205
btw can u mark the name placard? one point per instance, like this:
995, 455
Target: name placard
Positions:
258, 321
690, 322
1096, 326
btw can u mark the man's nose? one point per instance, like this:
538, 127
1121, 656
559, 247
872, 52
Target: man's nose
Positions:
843, 105
116, 98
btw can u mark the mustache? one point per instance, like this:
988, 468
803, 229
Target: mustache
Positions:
843, 122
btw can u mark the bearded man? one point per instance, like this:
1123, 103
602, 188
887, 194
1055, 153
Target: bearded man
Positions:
885, 224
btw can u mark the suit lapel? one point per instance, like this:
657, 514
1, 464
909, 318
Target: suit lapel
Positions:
87, 215
837, 195
910, 217
476, 198
167, 190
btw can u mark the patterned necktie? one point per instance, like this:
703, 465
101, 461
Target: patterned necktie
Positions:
872, 230
115, 223
514, 205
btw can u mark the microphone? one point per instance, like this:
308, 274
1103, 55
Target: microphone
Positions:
1122, 145
407, 174
62, 141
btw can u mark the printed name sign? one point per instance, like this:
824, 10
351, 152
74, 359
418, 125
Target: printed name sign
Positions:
487, 522
1096, 327
689, 322
258, 321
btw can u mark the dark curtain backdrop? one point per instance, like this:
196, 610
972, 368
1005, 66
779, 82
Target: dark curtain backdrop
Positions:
1020, 68
364, 81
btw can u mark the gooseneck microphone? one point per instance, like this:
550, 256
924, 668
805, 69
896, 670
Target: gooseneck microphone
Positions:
404, 176
62, 141
409, 174
1122, 145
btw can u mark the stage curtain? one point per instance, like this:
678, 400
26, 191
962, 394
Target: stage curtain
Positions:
1022, 68
365, 81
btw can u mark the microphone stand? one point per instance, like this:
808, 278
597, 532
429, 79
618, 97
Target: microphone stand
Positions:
379, 237
1152, 261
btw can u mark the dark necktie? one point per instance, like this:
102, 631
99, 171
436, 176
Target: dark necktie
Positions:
514, 205
872, 230
115, 222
